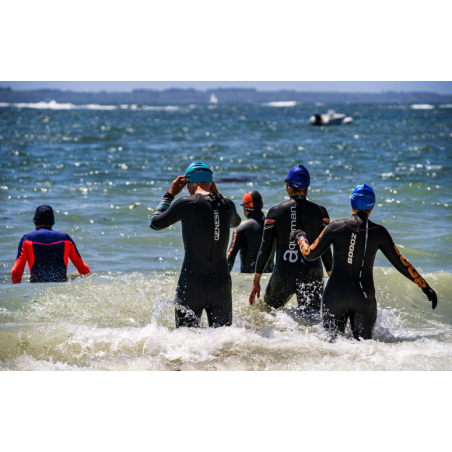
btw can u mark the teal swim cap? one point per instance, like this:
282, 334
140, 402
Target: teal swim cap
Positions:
198, 172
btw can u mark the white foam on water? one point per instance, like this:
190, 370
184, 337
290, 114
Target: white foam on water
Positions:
288, 103
97, 107
422, 107
160, 108
53, 105
126, 322
445, 106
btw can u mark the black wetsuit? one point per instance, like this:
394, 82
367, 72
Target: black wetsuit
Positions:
205, 281
350, 290
293, 274
247, 239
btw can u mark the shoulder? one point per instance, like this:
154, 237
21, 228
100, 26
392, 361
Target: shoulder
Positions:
68, 237
230, 202
245, 224
184, 201
279, 209
314, 205
337, 224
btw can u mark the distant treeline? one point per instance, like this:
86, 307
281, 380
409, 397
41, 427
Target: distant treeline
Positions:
224, 95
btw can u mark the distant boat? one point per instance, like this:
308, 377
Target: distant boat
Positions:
330, 118
213, 99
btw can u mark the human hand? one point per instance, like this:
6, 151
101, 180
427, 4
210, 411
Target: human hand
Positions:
296, 235
177, 185
431, 295
255, 291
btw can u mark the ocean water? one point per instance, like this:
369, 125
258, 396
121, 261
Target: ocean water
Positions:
105, 168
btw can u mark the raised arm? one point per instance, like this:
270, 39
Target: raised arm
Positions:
389, 249
19, 267
165, 214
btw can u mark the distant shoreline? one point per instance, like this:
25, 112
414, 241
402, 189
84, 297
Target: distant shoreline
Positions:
223, 95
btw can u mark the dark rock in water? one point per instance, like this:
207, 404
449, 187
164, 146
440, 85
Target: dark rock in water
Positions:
229, 180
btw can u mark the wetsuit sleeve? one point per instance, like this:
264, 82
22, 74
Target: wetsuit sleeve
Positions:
19, 266
76, 259
327, 257
389, 249
268, 238
166, 213
320, 246
234, 247
235, 218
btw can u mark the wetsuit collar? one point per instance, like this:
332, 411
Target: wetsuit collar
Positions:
45, 227
298, 197
255, 215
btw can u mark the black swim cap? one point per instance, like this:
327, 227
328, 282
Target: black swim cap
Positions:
44, 216
252, 201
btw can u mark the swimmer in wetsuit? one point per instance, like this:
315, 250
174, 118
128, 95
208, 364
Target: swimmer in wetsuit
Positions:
205, 281
293, 274
247, 237
46, 251
350, 291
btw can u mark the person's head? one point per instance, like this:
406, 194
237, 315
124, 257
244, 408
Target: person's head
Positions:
198, 175
362, 199
252, 202
298, 181
44, 217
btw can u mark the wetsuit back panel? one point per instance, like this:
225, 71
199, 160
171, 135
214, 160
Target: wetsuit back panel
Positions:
292, 273
205, 281
350, 291
47, 253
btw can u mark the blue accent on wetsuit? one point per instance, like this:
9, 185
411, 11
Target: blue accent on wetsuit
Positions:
47, 253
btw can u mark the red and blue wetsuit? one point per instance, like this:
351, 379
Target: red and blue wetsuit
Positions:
47, 253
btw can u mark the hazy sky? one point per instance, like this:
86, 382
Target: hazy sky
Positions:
437, 87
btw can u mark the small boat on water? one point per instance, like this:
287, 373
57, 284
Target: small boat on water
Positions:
330, 118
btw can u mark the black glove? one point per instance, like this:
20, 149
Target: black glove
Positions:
431, 295
296, 235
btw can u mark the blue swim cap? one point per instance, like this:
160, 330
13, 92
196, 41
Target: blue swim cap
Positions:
298, 178
363, 197
198, 172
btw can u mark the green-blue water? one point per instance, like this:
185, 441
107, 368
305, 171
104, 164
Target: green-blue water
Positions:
105, 169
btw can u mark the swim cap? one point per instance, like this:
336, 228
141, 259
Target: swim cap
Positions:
44, 215
198, 172
363, 197
298, 178
252, 201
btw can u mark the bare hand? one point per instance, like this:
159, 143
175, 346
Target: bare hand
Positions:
177, 185
213, 188
255, 291
329, 273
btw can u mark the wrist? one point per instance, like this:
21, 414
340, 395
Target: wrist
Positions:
169, 195
257, 278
